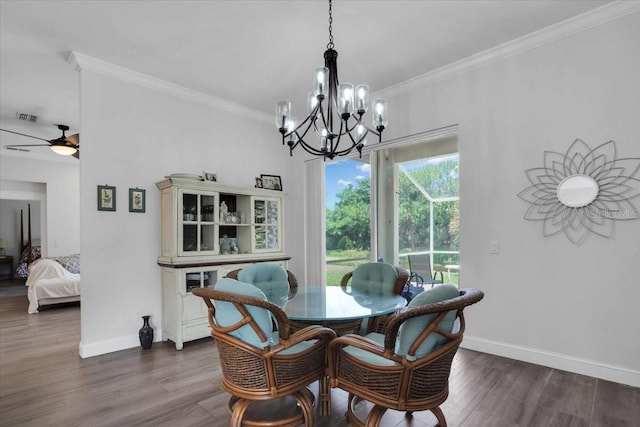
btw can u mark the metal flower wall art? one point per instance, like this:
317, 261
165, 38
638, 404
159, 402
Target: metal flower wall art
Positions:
582, 191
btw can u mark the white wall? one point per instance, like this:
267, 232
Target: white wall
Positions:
60, 205
132, 137
547, 300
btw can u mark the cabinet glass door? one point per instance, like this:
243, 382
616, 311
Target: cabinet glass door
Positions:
267, 222
201, 279
207, 223
198, 223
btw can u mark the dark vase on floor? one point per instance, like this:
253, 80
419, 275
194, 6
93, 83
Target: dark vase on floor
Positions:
146, 333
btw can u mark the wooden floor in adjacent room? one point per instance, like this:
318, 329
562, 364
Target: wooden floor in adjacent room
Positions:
43, 382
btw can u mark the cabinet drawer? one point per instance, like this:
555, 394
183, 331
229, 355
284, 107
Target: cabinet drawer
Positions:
193, 308
196, 330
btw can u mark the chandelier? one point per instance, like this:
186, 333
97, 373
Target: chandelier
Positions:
336, 113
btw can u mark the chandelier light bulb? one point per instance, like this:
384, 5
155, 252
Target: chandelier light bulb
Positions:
291, 124
323, 140
321, 81
361, 132
283, 113
312, 102
362, 99
380, 113
345, 100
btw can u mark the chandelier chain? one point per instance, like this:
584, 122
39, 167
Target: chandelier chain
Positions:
330, 45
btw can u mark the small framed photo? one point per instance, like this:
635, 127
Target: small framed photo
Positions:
208, 176
137, 200
271, 182
106, 198
258, 182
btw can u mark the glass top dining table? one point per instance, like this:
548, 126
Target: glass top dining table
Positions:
327, 303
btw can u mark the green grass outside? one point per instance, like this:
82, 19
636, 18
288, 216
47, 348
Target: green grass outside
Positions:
341, 262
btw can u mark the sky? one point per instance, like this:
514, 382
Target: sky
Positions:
340, 175
347, 172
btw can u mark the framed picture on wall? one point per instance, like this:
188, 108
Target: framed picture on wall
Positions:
137, 200
271, 182
209, 176
106, 198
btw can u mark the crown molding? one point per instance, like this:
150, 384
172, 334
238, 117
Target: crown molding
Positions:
585, 21
85, 62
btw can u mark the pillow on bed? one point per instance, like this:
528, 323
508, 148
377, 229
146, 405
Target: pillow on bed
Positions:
70, 262
23, 268
35, 254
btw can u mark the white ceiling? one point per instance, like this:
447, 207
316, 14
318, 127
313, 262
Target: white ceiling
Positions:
252, 53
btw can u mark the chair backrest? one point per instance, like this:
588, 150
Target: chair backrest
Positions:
256, 328
432, 320
270, 278
375, 277
421, 266
291, 278
412, 341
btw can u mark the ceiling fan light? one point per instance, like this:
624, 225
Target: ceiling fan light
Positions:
63, 150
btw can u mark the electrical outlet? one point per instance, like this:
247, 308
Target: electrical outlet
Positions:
494, 247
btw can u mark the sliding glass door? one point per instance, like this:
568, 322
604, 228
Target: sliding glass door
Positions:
348, 216
403, 199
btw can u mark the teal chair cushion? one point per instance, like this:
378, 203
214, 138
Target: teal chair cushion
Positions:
375, 277
270, 278
369, 357
412, 328
226, 313
294, 349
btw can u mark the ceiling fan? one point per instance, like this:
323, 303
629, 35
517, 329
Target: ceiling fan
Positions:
64, 145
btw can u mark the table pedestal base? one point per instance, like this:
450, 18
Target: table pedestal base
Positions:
340, 327
288, 411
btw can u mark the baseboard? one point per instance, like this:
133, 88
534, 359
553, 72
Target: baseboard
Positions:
554, 360
108, 346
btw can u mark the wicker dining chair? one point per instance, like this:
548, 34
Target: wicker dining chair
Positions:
378, 277
259, 364
406, 368
259, 273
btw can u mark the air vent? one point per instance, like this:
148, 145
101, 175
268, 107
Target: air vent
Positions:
24, 117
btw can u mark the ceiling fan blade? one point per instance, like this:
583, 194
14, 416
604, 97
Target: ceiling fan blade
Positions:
76, 155
17, 148
28, 145
24, 134
73, 139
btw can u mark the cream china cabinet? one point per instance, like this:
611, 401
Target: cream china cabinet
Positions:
209, 229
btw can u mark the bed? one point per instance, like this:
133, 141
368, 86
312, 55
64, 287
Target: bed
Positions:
49, 280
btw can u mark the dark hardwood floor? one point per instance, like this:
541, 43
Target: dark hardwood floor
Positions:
43, 382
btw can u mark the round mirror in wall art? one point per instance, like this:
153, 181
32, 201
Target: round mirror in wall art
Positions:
577, 191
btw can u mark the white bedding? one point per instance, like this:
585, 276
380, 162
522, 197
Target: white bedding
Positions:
48, 279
